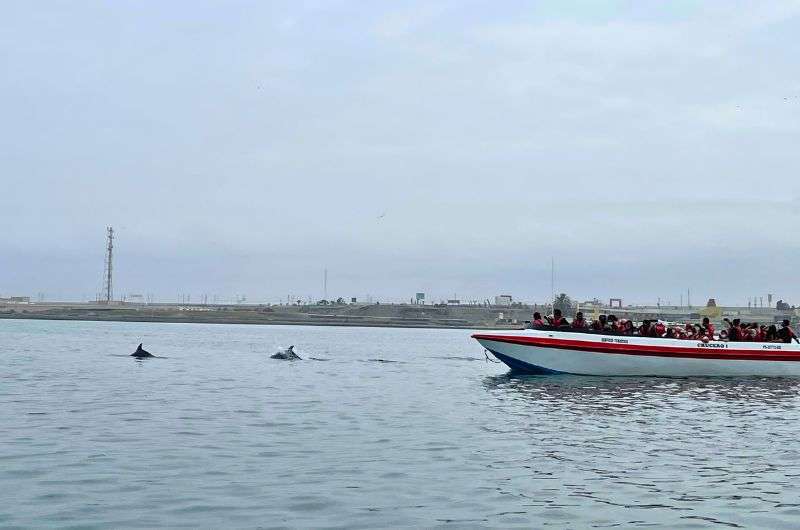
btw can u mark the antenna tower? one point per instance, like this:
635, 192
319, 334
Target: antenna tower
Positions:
108, 283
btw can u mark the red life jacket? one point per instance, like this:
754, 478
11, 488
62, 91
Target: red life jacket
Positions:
538, 322
579, 324
557, 321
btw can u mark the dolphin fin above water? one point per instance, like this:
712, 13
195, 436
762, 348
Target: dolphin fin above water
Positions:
141, 353
287, 355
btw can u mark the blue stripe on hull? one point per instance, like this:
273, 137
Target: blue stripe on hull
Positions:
521, 366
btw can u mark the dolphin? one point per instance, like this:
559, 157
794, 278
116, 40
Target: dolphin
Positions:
287, 355
141, 353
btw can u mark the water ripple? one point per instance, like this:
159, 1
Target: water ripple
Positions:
215, 435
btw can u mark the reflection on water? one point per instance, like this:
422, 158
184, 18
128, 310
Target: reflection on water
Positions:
642, 391
217, 435
655, 450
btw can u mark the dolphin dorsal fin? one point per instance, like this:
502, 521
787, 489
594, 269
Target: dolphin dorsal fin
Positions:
139, 348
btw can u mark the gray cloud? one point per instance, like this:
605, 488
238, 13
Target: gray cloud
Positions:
243, 148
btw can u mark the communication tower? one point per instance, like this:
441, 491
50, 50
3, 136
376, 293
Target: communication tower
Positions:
108, 283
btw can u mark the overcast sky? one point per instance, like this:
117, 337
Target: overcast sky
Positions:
451, 147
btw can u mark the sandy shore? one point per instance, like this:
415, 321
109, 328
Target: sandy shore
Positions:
394, 316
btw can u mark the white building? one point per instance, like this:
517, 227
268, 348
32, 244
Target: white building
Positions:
503, 300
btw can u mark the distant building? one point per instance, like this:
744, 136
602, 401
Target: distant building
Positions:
353, 300
419, 299
16, 300
454, 302
503, 300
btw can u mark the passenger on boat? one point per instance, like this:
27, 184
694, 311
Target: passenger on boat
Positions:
557, 320
737, 332
628, 328
708, 329
786, 334
748, 335
537, 320
772, 334
644, 329
734, 330
601, 324
744, 333
579, 322
613, 323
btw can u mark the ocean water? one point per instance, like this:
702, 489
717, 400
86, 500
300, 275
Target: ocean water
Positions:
392, 428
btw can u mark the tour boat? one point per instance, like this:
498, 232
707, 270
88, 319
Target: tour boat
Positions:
549, 351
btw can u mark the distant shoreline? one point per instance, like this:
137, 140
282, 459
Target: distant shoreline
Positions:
340, 315
417, 316
164, 319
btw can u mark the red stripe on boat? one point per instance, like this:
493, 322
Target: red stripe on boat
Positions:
645, 349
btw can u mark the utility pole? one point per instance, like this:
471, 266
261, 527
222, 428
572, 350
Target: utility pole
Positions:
325, 285
553, 281
108, 273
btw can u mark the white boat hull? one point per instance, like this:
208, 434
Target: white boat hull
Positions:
537, 351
